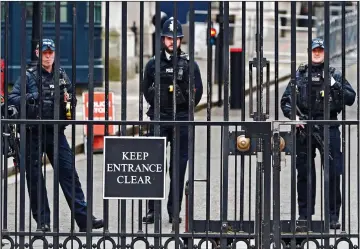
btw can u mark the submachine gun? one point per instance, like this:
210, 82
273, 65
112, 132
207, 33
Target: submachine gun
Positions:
62, 84
316, 134
9, 134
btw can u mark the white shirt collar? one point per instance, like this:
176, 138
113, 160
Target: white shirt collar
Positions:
167, 55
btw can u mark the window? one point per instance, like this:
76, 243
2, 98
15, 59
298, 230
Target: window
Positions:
97, 12
2, 11
48, 12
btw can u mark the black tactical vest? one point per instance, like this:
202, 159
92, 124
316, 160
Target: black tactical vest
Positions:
167, 81
48, 94
317, 90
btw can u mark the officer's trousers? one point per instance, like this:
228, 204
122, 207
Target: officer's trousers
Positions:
34, 177
335, 169
167, 131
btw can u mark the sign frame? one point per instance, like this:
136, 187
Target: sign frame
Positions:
164, 171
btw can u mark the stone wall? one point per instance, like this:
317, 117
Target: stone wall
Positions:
115, 47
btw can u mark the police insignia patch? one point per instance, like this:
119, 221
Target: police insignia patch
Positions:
171, 26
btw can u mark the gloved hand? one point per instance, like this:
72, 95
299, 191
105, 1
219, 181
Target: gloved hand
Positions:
180, 99
12, 112
32, 97
32, 105
335, 84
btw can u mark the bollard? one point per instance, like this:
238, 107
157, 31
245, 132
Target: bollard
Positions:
236, 84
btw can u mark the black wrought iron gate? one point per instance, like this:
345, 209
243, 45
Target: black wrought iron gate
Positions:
240, 191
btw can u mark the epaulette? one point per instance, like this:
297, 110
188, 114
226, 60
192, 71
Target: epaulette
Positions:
302, 67
31, 69
185, 56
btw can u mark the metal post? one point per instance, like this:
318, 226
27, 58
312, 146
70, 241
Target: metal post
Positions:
123, 102
220, 53
293, 117
208, 127
56, 126
73, 114
1, 147
176, 137
235, 78
6, 79
36, 19
358, 114
243, 110
309, 127
141, 93
225, 159
276, 147
326, 117
191, 129
107, 43
343, 117
90, 129
157, 204
22, 126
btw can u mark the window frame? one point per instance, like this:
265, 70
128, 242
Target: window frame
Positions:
97, 6
64, 5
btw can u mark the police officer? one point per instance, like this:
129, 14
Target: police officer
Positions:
66, 170
166, 103
337, 88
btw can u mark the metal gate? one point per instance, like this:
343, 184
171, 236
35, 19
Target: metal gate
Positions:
241, 177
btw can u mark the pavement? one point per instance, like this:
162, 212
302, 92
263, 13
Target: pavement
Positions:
217, 114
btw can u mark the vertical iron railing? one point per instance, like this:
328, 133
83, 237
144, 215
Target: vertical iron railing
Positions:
208, 128
293, 117
1, 141
343, 117
225, 137
309, 169
326, 127
57, 100
22, 129
106, 74
191, 129
124, 86
264, 224
73, 114
243, 111
277, 154
358, 113
141, 94
157, 102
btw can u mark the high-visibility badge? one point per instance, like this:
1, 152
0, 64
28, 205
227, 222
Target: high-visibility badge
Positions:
171, 88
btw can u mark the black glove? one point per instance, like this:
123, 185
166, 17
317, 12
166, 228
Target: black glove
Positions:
180, 98
32, 104
151, 94
12, 112
31, 98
